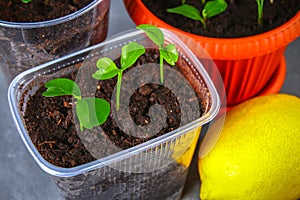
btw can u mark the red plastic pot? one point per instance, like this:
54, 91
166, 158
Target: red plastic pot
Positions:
246, 64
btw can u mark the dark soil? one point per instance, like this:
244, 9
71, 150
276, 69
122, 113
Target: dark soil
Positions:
51, 124
38, 10
239, 19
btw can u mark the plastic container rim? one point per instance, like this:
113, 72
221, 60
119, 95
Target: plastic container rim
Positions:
28, 25
69, 172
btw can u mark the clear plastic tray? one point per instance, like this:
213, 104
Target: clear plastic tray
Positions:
156, 169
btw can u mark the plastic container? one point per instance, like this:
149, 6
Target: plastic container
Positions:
246, 64
156, 169
25, 45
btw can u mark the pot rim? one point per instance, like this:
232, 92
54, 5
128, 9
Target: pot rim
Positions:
52, 22
230, 48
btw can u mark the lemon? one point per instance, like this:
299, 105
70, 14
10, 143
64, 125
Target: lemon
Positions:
257, 155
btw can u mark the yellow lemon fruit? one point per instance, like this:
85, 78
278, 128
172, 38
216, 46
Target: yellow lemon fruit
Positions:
257, 155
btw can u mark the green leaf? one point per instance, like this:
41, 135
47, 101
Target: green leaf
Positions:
213, 8
107, 69
82, 111
154, 33
260, 5
92, 112
61, 87
169, 53
187, 11
130, 53
26, 1
102, 108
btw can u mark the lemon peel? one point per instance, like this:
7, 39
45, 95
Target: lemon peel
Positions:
257, 155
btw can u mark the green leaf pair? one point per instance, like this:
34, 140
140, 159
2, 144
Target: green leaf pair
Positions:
167, 52
90, 111
107, 69
211, 8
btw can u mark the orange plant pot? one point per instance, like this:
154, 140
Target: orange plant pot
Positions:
275, 83
246, 64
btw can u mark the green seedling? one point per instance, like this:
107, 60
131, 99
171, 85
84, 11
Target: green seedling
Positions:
25, 1
260, 5
108, 69
211, 8
183, 1
167, 52
90, 111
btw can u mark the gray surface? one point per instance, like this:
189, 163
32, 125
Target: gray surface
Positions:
21, 178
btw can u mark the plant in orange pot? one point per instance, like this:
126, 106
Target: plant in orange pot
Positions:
246, 41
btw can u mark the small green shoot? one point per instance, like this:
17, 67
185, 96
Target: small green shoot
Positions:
182, 2
260, 6
167, 52
107, 68
26, 1
211, 8
90, 111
